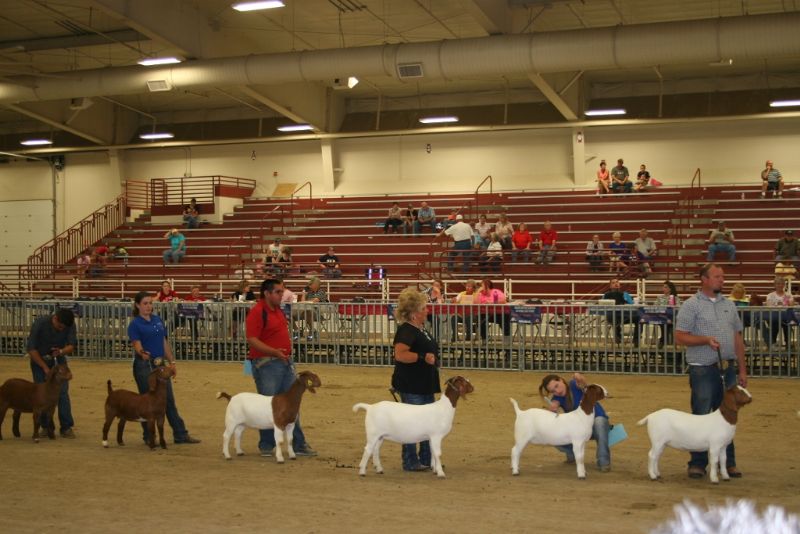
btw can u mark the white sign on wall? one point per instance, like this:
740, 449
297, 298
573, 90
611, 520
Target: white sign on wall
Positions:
24, 226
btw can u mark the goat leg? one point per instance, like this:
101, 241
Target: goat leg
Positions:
436, 455
106, 426
278, 444
15, 426
516, 452
36, 414
376, 457
121, 431
368, 448
289, 439
713, 464
151, 431
3, 410
161, 440
723, 460
579, 448
51, 423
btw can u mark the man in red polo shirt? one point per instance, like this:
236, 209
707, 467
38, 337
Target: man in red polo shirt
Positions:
271, 358
547, 244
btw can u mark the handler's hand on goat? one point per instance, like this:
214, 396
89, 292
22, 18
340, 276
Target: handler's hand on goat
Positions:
430, 358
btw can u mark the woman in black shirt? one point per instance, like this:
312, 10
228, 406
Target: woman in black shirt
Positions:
416, 367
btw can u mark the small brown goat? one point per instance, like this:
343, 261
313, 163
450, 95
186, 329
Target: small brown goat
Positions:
25, 396
149, 407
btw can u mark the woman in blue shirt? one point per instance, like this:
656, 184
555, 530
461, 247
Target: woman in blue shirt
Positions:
149, 339
567, 397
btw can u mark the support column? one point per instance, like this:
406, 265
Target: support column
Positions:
579, 174
328, 165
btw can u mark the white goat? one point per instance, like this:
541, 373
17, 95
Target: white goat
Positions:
278, 412
410, 423
711, 432
543, 427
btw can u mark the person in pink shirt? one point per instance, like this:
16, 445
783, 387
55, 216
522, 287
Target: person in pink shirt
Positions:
603, 180
493, 311
547, 244
521, 240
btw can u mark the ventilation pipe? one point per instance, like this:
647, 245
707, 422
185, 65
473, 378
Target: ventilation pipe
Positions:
754, 37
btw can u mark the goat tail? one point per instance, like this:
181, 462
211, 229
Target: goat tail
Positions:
642, 422
223, 395
360, 406
109, 386
516, 406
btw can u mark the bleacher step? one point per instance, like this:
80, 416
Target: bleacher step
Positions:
691, 222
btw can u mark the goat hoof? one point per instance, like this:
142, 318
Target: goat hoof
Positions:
581, 478
36, 440
378, 472
105, 444
362, 475
238, 454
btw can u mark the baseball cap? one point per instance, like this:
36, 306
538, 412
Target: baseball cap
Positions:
789, 232
459, 217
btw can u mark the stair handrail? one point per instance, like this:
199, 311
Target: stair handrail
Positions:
477, 190
292, 197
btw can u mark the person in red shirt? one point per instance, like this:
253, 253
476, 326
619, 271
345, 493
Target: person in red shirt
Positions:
271, 358
194, 314
195, 295
547, 244
166, 293
101, 253
521, 240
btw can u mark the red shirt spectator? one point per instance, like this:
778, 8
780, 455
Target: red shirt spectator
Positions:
166, 293
548, 236
274, 333
521, 239
195, 295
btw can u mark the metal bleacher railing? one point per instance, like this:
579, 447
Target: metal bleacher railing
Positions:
544, 336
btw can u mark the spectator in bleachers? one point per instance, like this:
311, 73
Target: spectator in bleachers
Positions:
603, 179
618, 254
779, 297
771, 180
787, 247
738, 295
177, 247
426, 216
393, 219
120, 253
504, 230
465, 315
331, 266
645, 251
617, 318
493, 256
642, 179
274, 251
284, 266
620, 178
451, 219
191, 214
166, 293
313, 294
721, 240
96, 265
102, 252
483, 231
461, 233
668, 297
195, 295
521, 240
436, 285
84, 262
547, 244
777, 320
497, 314
595, 254
243, 293
410, 219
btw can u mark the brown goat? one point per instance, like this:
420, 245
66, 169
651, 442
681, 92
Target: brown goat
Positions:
25, 396
150, 407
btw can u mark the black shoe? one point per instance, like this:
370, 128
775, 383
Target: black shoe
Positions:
733, 472
188, 440
696, 472
305, 451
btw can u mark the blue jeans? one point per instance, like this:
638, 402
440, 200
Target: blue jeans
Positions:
419, 224
524, 253
600, 435
410, 457
707, 394
191, 222
465, 249
272, 378
546, 254
626, 187
174, 256
727, 248
141, 370
65, 420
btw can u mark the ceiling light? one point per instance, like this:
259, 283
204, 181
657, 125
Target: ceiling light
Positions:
784, 103
36, 142
721, 63
256, 6
156, 135
153, 61
442, 119
603, 112
295, 128
352, 81
155, 86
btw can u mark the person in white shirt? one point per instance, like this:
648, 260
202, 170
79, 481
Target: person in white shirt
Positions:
504, 230
645, 250
483, 231
461, 233
776, 320
493, 255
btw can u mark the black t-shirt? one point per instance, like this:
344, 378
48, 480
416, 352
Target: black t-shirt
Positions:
617, 295
411, 213
329, 259
418, 377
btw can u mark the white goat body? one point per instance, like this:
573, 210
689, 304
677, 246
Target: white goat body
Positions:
255, 411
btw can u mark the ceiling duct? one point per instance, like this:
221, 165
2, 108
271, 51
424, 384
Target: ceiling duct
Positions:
699, 42
409, 70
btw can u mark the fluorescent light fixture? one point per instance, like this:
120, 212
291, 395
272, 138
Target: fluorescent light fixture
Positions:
36, 142
295, 128
604, 112
352, 81
442, 119
153, 61
721, 63
784, 103
256, 6
156, 135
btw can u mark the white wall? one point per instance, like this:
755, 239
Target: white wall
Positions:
25, 180
87, 182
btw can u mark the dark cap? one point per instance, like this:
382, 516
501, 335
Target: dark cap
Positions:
789, 232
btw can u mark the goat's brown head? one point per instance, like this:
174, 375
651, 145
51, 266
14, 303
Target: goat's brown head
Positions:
60, 373
738, 396
309, 381
461, 385
162, 374
591, 396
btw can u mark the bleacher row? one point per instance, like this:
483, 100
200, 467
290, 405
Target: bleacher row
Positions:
676, 219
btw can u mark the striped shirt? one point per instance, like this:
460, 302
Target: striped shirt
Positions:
700, 316
772, 175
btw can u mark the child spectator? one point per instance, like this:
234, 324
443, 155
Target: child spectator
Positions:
642, 179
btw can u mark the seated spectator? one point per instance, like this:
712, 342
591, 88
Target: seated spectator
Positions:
775, 321
642, 179
84, 261
618, 254
493, 256
504, 230
102, 252
242, 294
410, 219
451, 219
120, 253
195, 295
274, 251
331, 267
393, 219
284, 266
483, 232
166, 293
721, 240
426, 216
547, 244
96, 266
521, 240
603, 179
191, 214
617, 318
435, 285
313, 294
738, 296
494, 312
289, 296
595, 254
645, 251
177, 247
465, 315
787, 247
620, 178
668, 297
771, 180
779, 297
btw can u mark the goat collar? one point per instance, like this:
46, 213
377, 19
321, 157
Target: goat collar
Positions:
451, 391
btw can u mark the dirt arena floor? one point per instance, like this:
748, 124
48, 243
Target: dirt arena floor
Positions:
77, 486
